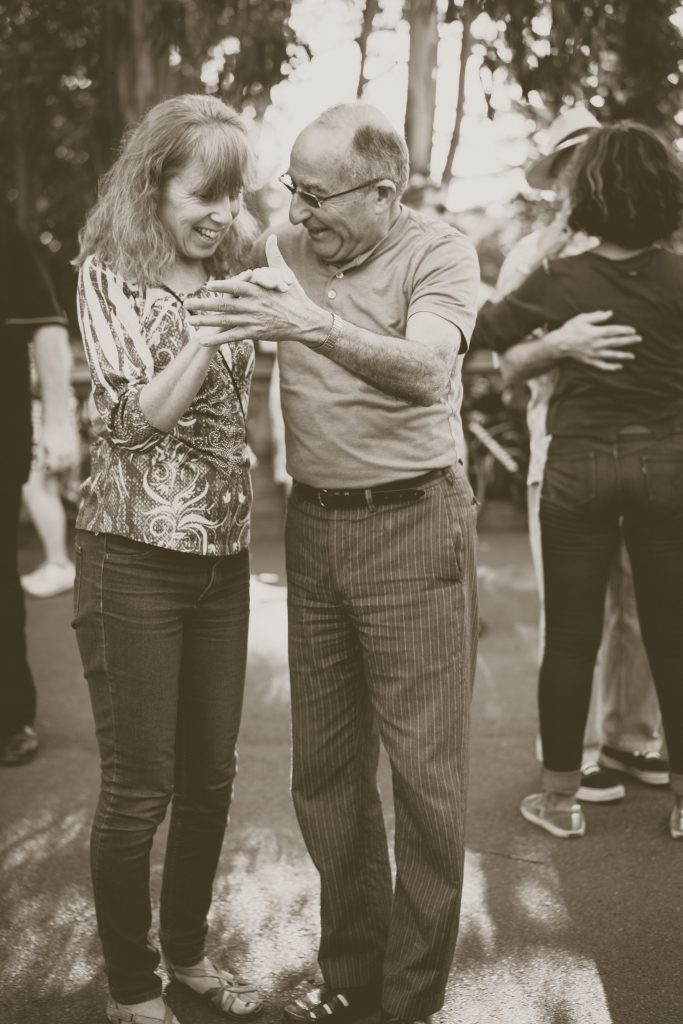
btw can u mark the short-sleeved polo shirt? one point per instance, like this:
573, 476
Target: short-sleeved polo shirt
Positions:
340, 430
26, 303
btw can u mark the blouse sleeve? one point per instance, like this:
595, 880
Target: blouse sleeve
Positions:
118, 355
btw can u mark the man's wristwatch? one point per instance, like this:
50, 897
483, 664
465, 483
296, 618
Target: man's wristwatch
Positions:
333, 336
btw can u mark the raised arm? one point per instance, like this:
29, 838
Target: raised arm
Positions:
416, 368
137, 404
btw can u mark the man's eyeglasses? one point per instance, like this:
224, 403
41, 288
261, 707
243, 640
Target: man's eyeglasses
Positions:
317, 201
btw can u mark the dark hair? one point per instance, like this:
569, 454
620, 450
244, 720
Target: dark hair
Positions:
626, 186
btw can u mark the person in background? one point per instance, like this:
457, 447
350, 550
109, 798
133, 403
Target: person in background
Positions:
615, 460
624, 724
374, 306
42, 496
161, 600
28, 313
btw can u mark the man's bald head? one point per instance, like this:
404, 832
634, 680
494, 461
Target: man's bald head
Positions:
372, 146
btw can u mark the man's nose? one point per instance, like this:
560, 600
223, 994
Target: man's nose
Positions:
299, 210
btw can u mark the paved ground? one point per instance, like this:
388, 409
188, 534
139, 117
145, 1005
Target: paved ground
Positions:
552, 932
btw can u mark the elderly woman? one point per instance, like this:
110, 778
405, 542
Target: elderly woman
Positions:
616, 454
161, 597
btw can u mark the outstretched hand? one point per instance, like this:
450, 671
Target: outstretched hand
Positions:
588, 339
265, 303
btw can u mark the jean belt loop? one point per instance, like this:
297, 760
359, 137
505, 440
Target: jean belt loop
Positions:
368, 499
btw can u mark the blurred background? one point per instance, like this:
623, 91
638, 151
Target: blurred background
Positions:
473, 83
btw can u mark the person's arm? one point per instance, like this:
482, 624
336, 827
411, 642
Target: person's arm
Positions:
52, 359
137, 405
585, 338
416, 368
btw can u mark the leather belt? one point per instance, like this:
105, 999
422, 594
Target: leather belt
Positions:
396, 492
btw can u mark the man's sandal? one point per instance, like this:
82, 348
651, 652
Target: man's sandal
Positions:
330, 1006
230, 995
118, 1014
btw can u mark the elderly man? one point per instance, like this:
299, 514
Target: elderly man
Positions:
371, 310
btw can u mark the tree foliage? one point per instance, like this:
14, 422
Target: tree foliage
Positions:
74, 76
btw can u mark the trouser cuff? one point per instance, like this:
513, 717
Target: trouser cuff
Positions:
560, 782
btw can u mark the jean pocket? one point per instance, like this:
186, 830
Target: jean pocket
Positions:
664, 481
125, 551
570, 481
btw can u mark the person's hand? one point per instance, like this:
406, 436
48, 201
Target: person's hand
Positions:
59, 441
588, 339
266, 303
554, 237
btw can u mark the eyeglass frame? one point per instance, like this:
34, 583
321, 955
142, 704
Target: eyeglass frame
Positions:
319, 200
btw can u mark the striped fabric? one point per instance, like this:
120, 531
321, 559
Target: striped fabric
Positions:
382, 642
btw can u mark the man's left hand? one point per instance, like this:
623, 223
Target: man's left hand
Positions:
266, 303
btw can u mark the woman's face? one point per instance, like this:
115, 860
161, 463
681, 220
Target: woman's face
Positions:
196, 224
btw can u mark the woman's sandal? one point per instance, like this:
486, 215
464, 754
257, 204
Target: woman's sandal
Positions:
230, 995
118, 1014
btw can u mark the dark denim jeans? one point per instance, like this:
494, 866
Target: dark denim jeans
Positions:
590, 486
17, 690
163, 639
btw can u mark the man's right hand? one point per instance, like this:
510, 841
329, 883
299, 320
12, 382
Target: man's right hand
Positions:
588, 339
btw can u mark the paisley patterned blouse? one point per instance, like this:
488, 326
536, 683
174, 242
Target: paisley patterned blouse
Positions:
188, 489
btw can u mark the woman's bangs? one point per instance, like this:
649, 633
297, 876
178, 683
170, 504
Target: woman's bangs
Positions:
225, 163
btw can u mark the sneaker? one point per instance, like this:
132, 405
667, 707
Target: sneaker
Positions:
599, 786
20, 747
676, 819
49, 579
332, 1006
563, 822
646, 766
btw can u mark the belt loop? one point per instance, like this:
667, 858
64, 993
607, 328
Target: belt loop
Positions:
368, 499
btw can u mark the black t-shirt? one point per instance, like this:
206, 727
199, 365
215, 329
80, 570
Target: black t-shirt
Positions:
644, 291
27, 302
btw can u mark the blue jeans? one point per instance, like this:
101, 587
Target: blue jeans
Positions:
163, 639
382, 643
590, 488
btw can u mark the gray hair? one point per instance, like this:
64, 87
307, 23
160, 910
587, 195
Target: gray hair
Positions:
376, 149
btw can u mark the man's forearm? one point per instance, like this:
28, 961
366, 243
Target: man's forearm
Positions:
52, 356
400, 367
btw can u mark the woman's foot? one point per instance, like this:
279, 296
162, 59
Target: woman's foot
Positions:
229, 994
557, 813
152, 1011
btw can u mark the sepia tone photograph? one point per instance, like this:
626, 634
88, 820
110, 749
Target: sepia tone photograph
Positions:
342, 519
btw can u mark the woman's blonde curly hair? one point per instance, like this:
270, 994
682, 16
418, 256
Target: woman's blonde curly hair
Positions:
123, 229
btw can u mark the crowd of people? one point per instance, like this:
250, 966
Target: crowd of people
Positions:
372, 307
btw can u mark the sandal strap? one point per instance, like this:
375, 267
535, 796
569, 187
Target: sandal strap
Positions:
117, 1014
323, 1006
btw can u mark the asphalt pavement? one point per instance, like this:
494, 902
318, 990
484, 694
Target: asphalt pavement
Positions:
553, 932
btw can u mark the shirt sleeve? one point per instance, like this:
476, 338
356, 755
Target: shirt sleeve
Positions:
28, 300
118, 355
502, 324
446, 283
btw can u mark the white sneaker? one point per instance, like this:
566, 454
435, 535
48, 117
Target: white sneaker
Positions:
49, 579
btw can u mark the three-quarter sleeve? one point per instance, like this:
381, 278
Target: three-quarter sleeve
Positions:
119, 355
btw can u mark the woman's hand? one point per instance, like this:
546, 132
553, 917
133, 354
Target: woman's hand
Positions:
589, 340
266, 303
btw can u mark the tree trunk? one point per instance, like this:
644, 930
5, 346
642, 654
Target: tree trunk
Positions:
419, 123
369, 12
465, 50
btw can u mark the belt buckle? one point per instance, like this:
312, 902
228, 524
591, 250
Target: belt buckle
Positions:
321, 491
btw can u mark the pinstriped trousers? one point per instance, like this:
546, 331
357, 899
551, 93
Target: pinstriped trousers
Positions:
382, 643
